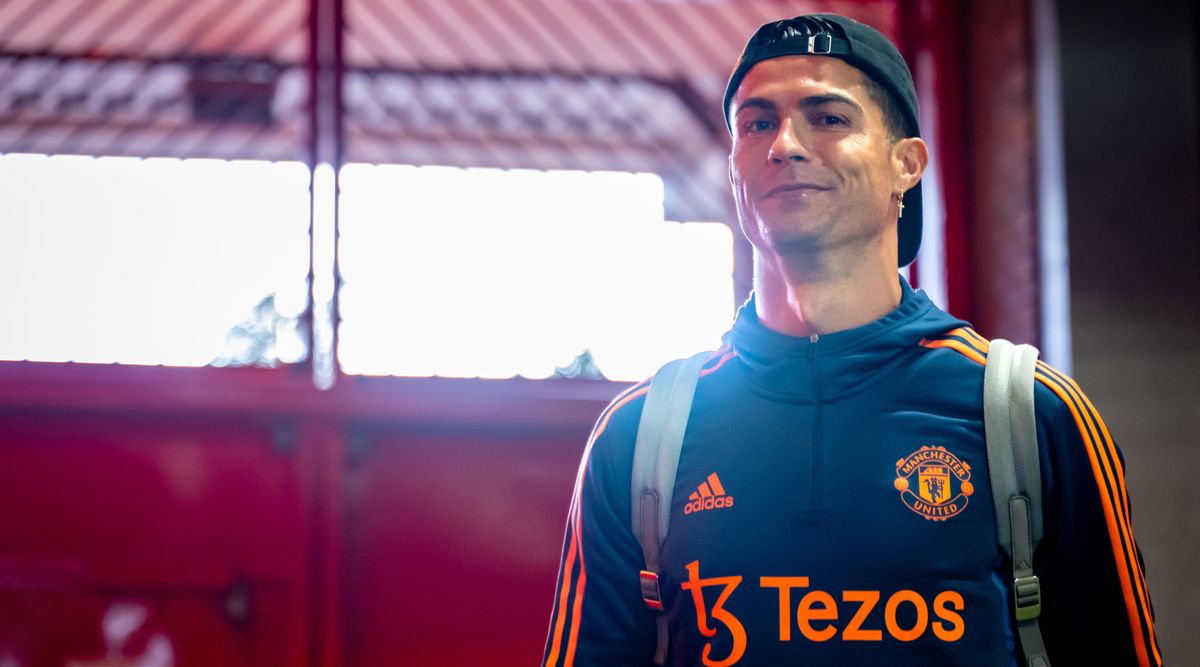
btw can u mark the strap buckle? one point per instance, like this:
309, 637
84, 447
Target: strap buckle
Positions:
1027, 597
820, 44
651, 594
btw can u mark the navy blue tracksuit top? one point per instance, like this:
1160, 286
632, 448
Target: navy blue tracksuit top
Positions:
833, 507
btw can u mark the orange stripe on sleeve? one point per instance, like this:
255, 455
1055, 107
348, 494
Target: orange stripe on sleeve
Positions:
1100, 435
721, 362
630, 394
957, 345
1100, 452
1095, 414
968, 332
569, 661
724, 354
576, 544
1119, 532
563, 595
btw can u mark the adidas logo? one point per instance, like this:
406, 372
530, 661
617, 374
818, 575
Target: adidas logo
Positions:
710, 495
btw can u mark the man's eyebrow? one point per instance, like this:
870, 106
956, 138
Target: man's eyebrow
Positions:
806, 103
829, 98
757, 103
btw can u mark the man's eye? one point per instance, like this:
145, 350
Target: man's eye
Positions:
758, 126
831, 121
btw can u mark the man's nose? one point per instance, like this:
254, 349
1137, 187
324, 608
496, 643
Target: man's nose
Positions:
789, 144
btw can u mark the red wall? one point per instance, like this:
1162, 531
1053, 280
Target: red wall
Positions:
453, 545
240, 517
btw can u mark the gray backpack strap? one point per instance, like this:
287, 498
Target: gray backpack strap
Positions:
655, 462
1013, 464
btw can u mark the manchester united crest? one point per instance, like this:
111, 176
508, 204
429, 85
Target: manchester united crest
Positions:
934, 483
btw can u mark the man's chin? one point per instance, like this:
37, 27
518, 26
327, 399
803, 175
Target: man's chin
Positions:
794, 236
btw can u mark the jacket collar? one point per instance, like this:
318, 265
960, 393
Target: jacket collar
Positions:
836, 364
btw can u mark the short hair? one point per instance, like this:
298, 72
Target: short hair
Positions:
893, 121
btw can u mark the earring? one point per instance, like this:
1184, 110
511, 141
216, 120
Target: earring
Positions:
900, 204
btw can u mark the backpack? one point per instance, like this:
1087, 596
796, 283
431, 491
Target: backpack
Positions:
1013, 466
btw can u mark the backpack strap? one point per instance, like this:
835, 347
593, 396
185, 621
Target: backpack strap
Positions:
655, 462
1015, 471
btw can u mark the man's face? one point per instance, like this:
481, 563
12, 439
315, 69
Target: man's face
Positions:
812, 166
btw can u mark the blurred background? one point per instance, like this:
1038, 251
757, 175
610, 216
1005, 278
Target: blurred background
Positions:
307, 307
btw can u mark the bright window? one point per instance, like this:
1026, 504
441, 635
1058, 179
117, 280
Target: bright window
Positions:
499, 273
152, 261
447, 272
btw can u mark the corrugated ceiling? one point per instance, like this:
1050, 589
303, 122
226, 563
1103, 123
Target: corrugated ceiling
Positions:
583, 84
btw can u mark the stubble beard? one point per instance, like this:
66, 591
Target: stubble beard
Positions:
813, 245
798, 233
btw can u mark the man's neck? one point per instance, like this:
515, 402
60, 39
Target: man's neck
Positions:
807, 298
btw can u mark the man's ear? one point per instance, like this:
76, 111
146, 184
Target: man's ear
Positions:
729, 167
910, 156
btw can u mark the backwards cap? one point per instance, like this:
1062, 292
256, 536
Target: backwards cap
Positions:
863, 47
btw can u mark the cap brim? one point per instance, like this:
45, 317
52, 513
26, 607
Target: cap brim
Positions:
910, 226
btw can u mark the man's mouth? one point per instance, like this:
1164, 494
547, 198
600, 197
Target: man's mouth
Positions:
794, 187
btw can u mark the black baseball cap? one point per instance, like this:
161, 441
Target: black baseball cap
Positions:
861, 46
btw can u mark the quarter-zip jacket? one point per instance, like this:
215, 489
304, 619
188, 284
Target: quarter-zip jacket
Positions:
832, 506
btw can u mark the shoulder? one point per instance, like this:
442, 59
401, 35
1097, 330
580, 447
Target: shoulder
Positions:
607, 463
619, 420
950, 365
1056, 394
617, 426
1059, 392
962, 344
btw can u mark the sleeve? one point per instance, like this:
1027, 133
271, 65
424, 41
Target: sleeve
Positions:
598, 617
1095, 605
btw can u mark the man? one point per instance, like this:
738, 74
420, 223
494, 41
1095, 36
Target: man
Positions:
832, 503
